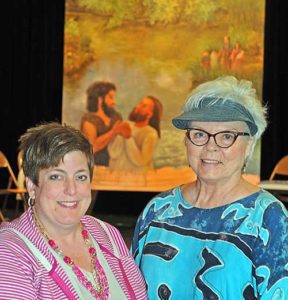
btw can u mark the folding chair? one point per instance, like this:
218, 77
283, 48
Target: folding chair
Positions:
11, 188
281, 168
1, 217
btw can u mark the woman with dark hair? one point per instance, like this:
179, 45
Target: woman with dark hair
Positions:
54, 250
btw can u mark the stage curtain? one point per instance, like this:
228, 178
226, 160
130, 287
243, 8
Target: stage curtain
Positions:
275, 86
32, 64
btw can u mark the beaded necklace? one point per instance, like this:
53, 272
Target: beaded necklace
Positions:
99, 290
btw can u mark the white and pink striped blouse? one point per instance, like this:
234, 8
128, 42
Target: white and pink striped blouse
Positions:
23, 276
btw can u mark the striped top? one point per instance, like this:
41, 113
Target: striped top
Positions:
23, 276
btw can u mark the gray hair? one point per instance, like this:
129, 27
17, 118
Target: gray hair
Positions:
225, 94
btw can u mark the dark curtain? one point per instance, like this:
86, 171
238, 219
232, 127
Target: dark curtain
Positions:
275, 86
32, 64
31, 71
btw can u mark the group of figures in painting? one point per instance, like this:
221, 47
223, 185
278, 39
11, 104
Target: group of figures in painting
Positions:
227, 58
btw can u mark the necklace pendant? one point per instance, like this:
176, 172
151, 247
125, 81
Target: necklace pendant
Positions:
52, 244
85, 234
67, 260
92, 251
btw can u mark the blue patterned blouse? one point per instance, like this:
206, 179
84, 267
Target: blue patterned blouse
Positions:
236, 251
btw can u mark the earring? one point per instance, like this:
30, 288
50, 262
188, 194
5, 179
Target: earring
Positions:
243, 170
31, 201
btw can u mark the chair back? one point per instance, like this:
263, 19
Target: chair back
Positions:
12, 187
4, 163
280, 168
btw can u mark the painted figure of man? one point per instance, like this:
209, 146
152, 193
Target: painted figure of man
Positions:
237, 57
101, 123
136, 152
224, 53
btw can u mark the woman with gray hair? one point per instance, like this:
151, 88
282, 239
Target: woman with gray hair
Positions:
219, 237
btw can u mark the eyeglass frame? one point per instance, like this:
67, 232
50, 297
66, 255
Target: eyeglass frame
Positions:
235, 133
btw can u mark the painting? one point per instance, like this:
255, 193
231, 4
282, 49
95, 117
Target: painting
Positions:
155, 49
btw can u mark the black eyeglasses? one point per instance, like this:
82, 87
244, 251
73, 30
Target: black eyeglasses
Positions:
223, 139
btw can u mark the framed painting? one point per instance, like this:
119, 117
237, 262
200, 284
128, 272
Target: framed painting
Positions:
155, 49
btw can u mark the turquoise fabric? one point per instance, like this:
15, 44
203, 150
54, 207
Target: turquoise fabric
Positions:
236, 251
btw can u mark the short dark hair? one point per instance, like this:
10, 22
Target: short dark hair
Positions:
46, 144
95, 90
157, 114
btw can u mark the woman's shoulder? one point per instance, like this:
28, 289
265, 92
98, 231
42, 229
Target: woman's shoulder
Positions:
258, 202
165, 195
19, 224
96, 223
7, 234
265, 194
12, 245
273, 208
162, 200
266, 199
262, 209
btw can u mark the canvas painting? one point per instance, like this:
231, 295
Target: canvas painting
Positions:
153, 53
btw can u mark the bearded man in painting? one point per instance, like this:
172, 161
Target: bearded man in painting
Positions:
101, 123
136, 152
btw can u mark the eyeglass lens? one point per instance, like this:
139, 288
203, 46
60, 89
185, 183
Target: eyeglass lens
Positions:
223, 139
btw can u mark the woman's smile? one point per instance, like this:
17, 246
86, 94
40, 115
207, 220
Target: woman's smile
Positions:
210, 161
68, 204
